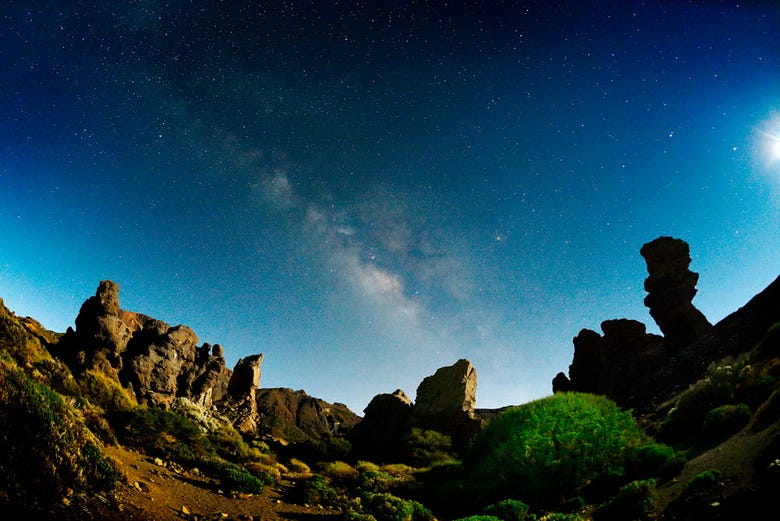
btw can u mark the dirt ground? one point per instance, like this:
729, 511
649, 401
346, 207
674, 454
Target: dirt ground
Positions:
155, 492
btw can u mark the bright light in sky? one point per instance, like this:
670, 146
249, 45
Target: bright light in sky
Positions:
770, 140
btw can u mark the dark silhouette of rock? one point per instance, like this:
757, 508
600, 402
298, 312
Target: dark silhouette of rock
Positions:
386, 420
616, 364
640, 370
671, 287
159, 362
561, 383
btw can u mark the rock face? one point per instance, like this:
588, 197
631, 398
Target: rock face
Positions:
296, 416
671, 288
445, 402
159, 362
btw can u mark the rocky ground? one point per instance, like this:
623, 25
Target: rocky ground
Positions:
151, 491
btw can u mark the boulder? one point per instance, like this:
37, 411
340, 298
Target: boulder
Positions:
671, 287
446, 401
450, 390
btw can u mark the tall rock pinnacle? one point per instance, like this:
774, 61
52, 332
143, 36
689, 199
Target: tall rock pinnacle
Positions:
671, 287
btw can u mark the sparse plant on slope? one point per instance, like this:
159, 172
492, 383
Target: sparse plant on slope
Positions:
47, 454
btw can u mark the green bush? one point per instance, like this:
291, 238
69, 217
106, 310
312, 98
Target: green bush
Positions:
317, 491
387, 507
726, 420
428, 447
236, 478
508, 510
653, 460
545, 450
631, 502
685, 420
162, 433
480, 517
703, 483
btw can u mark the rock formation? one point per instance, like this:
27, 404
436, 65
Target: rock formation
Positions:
671, 287
637, 369
157, 361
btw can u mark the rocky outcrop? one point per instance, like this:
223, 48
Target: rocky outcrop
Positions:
157, 361
445, 402
671, 287
295, 416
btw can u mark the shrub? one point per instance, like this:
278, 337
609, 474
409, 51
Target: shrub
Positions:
631, 502
653, 460
685, 420
557, 516
387, 507
297, 467
340, 472
547, 449
508, 510
428, 447
106, 392
317, 491
703, 483
236, 478
480, 517
163, 433
726, 420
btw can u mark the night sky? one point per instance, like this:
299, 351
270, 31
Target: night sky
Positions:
367, 191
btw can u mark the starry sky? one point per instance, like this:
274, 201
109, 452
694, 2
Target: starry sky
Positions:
367, 191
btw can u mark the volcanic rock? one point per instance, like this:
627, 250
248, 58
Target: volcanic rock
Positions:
246, 376
671, 287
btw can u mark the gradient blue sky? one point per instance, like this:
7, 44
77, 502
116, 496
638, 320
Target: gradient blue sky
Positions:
365, 192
